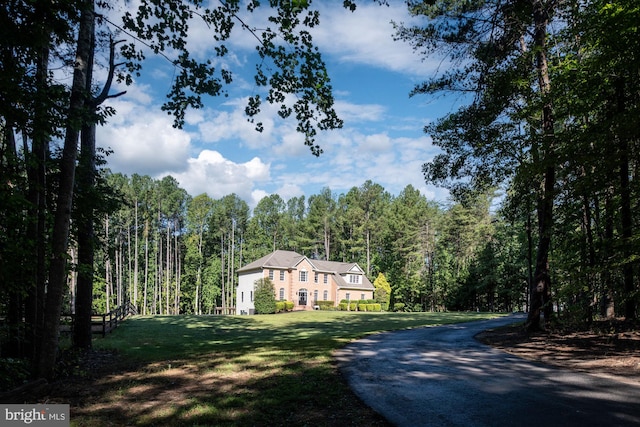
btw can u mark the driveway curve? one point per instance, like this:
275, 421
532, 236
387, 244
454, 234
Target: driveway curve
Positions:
442, 376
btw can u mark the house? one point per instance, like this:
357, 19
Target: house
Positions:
302, 280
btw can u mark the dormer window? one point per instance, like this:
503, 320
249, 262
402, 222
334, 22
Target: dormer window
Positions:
354, 279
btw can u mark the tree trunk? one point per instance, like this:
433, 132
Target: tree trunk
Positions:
135, 259
607, 307
540, 289
626, 217
60, 238
86, 238
37, 228
146, 267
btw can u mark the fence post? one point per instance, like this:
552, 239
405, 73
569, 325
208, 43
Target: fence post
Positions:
104, 325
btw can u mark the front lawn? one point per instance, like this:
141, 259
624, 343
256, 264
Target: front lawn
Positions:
232, 370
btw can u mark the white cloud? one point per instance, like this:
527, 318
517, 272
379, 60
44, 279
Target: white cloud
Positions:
354, 113
217, 176
143, 141
366, 37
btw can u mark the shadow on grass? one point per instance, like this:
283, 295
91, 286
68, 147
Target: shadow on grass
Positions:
259, 370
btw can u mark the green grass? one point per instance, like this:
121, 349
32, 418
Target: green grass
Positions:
231, 370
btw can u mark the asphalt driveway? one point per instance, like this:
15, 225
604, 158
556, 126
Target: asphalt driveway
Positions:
441, 376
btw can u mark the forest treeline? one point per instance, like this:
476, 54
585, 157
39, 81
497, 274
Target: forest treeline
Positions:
171, 253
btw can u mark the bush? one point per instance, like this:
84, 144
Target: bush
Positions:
370, 306
280, 306
343, 306
325, 305
353, 306
399, 306
264, 299
384, 306
288, 305
362, 307
377, 307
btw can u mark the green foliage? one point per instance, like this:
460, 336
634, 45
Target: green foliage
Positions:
13, 372
382, 291
264, 296
325, 305
399, 306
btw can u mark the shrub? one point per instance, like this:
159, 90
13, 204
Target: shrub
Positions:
362, 307
325, 305
398, 306
343, 306
370, 306
384, 306
264, 297
280, 306
353, 306
377, 307
288, 305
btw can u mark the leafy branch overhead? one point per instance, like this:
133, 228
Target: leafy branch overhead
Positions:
291, 67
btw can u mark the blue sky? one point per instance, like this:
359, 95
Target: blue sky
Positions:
218, 152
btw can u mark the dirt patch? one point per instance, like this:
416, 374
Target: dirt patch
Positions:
604, 348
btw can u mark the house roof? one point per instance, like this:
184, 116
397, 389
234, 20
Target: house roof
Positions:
277, 259
289, 260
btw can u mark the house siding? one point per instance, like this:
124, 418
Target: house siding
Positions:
244, 291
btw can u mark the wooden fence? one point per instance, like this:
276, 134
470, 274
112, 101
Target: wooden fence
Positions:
103, 323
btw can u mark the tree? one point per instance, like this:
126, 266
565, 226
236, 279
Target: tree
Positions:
264, 296
493, 46
408, 219
382, 290
266, 229
199, 210
320, 224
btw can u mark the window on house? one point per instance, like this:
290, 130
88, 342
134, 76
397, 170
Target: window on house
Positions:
326, 278
354, 278
282, 275
281, 294
348, 296
270, 274
241, 296
325, 295
361, 296
251, 296
315, 297
303, 275
315, 277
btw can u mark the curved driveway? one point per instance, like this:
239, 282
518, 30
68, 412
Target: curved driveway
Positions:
441, 376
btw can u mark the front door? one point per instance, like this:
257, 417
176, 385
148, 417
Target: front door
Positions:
302, 297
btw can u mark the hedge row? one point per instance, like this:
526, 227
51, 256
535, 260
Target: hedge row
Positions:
325, 305
355, 306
